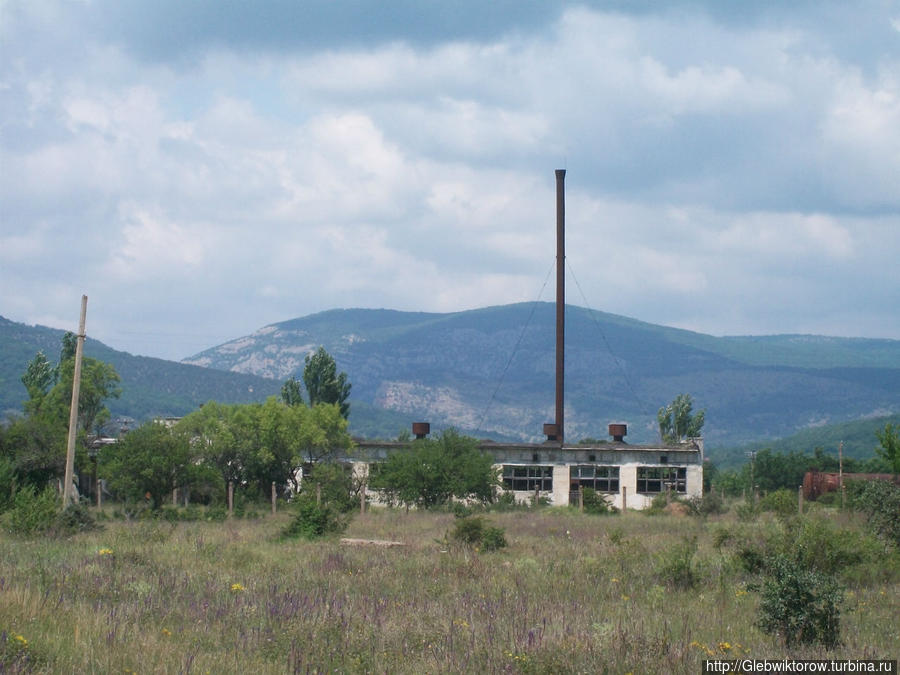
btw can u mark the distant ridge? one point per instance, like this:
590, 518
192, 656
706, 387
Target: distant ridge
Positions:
484, 372
150, 387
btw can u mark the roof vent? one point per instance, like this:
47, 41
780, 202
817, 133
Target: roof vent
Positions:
421, 429
618, 432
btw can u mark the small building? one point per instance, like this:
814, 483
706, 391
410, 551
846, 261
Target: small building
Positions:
629, 475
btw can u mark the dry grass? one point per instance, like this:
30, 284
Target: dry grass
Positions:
571, 593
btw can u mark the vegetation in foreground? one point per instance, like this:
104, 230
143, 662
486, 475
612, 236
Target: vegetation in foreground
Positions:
570, 592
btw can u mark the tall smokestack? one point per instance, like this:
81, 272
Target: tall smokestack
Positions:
560, 297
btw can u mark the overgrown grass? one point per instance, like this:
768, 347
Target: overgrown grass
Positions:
570, 593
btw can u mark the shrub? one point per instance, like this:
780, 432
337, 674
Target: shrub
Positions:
74, 519
313, 520
802, 606
782, 502
475, 531
494, 539
33, 512
747, 511
711, 503
677, 568
596, 502
880, 501
7, 484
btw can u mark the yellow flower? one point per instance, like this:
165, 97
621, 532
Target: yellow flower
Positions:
21, 640
625, 598
724, 646
614, 580
237, 588
166, 632
105, 551
740, 592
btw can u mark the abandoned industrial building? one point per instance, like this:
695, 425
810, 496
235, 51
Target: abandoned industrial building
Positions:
629, 476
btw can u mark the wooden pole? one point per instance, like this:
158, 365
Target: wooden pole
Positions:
581, 497
175, 497
362, 499
624, 498
73, 410
800, 500
274, 498
318, 494
230, 498
841, 472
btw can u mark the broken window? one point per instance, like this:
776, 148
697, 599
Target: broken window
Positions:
599, 478
661, 478
528, 478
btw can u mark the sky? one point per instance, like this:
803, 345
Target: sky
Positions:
202, 169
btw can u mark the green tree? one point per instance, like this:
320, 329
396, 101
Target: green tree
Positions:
677, 421
154, 460
889, 448
37, 443
430, 472
323, 383
291, 393
38, 378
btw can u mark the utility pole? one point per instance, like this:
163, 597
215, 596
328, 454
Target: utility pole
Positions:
841, 472
73, 409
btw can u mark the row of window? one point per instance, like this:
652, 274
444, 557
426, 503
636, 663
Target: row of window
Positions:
650, 479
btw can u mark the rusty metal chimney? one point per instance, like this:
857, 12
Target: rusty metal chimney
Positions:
421, 429
560, 298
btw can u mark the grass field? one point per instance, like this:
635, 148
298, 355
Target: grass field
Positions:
571, 593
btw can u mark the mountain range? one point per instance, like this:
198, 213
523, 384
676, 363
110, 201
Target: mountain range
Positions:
490, 372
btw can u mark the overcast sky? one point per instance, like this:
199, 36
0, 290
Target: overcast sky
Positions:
203, 169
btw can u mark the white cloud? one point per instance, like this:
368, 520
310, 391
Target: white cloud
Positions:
721, 173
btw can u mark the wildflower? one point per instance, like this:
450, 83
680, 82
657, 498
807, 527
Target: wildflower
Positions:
614, 580
22, 641
738, 593
724, 646
625, 598
105, 551
237, 588
166, 632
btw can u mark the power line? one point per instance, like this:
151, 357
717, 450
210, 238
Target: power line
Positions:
516, 347
619, 362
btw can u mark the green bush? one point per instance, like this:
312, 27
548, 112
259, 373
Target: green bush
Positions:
7, 484
711, 503
313, 520
880, 502
781, 502
801, 606
676, 565
597, 503
474, 531
33, 512
74, 519
493, 539
747, 511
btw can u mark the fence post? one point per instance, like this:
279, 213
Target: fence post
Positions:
800, 500
318, 494
581, 497
274, 498
99, 494
624, 498
362, 499
175, 497
230, 498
